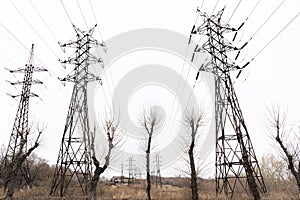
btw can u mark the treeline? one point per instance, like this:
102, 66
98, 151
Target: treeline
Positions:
39, 173
279, 180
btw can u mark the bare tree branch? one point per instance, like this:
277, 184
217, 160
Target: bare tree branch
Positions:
14, 166
289, 149
193, 121
149, 121
110, 127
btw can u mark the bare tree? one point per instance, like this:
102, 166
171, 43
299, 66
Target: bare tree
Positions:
39, 170
193, 121
13, 166
149, 121
278, 177
110, 127
288, 142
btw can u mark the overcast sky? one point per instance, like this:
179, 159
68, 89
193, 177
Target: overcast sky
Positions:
271, 78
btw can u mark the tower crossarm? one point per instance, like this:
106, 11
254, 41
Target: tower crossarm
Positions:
74, 158
236, 162
16, 163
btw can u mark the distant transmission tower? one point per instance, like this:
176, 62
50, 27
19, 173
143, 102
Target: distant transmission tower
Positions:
130, 170
157, 170
74, 158
236, 162
18, 141
122, 173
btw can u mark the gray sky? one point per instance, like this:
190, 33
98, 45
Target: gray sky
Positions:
271, 78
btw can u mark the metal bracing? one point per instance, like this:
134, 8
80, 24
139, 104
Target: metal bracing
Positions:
74, 158
236, 163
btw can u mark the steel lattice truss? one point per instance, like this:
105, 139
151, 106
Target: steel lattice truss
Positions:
236, 162
17, 145
74, 158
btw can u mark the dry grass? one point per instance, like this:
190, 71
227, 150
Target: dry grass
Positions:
137, 192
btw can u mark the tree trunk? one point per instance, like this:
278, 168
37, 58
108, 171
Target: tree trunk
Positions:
10, 189
249, 174
252, 184
93, 186
298, 178
11, 178
248, 166
289, 157
148, 189
148, 186
95, 179
149, 122
194, 186
298, 183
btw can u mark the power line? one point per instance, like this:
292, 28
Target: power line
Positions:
82, 14
47, 25
268, 43
215, 6
263, 24
95, 19
297, 15
234, 11
251, 37
85, 21
18, 142
196, 57
201, 4
67, 13
253, 9
106, 55
251, 12
190, 65
187, 49
27, 49
7, 58
74, 156
50, 72
30, 25
228, 161
184, 60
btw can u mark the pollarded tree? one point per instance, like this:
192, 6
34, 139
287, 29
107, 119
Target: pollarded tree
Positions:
193, 122
14, 166
149, 121
113, 136
288, 142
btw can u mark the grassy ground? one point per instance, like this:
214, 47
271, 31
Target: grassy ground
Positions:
137, 192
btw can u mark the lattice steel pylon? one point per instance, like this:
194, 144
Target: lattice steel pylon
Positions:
157, 166
236, 162
74, 158
17, 146
130, 170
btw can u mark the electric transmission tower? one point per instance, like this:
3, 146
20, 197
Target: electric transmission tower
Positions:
74, 158
16, 163
130, 170
122, 173
157, 170
236, 162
